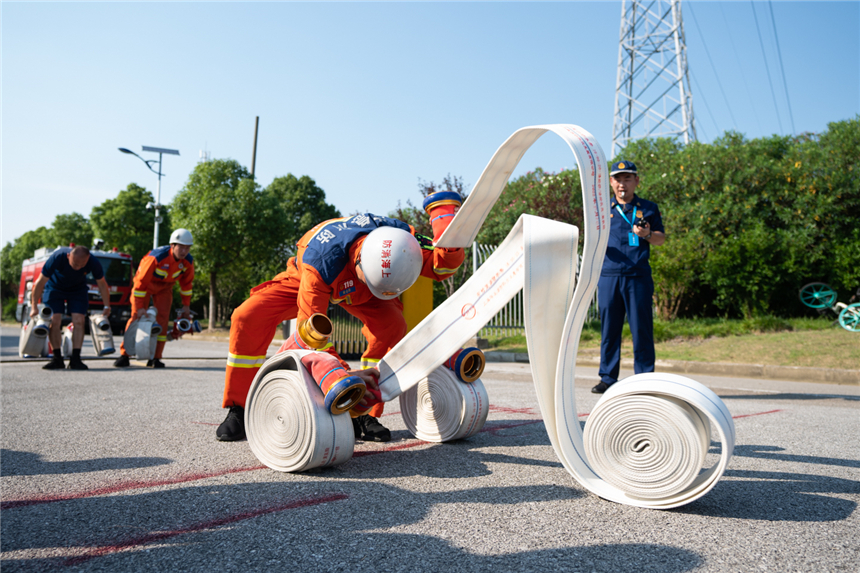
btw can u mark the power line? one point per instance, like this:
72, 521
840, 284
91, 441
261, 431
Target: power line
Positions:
769, 81
719, 83
782, 69
704, 101
740, 67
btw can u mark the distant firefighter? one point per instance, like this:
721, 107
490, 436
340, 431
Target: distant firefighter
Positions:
157, 272
64, 282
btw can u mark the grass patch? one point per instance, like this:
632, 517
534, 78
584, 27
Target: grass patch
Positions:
814, 342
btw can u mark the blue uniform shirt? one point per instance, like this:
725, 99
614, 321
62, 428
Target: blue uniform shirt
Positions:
62, 277
328, 251
622, 259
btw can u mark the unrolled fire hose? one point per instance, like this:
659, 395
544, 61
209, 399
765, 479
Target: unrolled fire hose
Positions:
645, 441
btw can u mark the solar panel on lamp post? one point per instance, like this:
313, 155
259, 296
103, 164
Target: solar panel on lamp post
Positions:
160, 151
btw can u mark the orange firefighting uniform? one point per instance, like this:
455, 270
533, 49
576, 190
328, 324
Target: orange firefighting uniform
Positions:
154, 279
323, 271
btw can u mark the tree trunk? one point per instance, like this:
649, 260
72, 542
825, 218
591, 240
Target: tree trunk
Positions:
213, 308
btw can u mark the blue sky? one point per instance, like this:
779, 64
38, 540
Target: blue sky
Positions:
368, 98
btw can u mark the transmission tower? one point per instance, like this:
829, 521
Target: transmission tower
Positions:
652, 90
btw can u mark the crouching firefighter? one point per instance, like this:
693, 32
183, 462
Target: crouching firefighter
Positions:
362, 263
158, 271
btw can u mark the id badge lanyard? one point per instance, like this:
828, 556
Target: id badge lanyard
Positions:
632, 238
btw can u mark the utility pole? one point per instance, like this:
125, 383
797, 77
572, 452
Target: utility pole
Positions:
254, 153
652, 89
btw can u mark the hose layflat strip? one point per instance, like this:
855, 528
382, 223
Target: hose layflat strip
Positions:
627, 458
288, 426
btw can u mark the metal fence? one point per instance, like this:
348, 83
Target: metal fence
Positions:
509, 321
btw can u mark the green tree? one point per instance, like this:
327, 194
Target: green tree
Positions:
13, 254
302, 205
125, 223
72, 228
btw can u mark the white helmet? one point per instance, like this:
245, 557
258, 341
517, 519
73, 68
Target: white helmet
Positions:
391, 261
181, 236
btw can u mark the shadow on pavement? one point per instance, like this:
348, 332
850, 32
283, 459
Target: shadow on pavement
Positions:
229, 528
769, 453
17, 463
776, 496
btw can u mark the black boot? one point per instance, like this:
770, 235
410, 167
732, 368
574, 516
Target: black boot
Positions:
372, 430
75, 362
232, 428
154, 363
56, 363
122, 362
356, 428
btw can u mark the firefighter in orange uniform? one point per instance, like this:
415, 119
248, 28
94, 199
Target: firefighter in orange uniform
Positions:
154, 279
363, 263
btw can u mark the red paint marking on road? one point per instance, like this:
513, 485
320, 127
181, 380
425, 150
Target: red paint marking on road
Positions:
121, 487
506, 410
405, 446
758, 414
390, 414
93, 552
494, 429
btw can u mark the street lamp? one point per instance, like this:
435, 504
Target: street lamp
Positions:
160, 151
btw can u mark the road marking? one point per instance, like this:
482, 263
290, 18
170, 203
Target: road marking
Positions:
99, 551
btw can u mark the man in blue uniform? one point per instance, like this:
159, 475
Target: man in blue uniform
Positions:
64, 282
625, 285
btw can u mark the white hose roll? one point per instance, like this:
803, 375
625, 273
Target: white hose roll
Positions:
33, 340
651, 432
441, 408
287, 424
67, 341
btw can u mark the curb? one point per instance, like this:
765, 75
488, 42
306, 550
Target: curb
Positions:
792, 373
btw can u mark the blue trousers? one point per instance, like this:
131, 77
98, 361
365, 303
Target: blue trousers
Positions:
617, 297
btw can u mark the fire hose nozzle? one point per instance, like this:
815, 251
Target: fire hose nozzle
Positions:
315, 331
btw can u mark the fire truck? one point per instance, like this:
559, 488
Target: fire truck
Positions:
118, 274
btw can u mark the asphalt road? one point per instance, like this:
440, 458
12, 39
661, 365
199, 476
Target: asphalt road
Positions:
119, 470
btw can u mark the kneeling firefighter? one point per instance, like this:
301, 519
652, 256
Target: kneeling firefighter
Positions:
362, 263
155, 276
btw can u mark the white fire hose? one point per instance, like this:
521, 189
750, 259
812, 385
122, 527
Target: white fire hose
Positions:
646, 440
287, 423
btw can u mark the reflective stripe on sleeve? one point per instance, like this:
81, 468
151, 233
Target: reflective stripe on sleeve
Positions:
185, 292
162, 338
369, 363
140, 293
160, 273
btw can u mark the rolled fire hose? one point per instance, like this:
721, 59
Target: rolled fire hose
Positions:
287, 423
101, 335
33, 340
647, 437
441, 408
68, 334
141, 336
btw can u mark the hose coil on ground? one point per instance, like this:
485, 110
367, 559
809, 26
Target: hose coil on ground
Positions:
288, 425
441, 408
